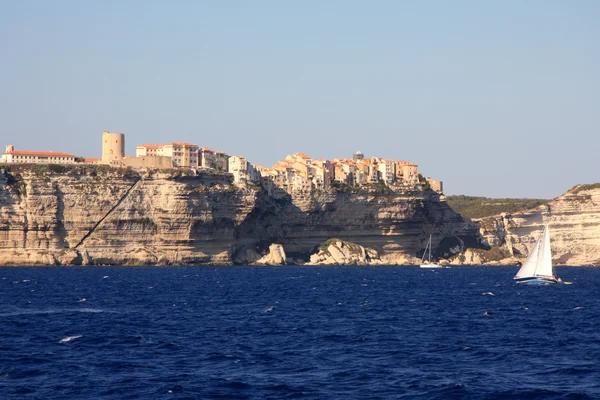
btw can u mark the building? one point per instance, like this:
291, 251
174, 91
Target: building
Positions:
298, 157
183, 155
322, 172
36, 157
344, 171
151, 150
242, 170
437, 186
407, 172
221, 160
387, 171
358, 156
113, 147
207, 157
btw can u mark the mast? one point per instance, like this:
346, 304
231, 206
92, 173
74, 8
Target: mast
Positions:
427, 250
430, 247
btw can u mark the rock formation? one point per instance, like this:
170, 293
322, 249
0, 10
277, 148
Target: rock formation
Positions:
339, 252
276, 256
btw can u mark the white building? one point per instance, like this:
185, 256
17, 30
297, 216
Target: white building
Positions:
36, 157
387, 170
242, 170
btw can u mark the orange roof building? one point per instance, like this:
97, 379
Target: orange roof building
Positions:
36, 157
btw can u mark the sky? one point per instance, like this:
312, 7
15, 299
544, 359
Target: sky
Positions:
495, 98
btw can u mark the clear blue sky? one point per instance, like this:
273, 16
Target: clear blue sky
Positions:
495, 98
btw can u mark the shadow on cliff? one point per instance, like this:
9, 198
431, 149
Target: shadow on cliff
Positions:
394, 223
263, 226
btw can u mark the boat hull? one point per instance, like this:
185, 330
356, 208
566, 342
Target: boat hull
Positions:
536, 280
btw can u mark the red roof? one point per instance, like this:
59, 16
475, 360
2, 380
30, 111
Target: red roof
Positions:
151, 146
183, 144
92, 160
402, 162
40, 153
278, 167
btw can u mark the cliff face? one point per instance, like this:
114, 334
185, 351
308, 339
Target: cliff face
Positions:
396, 225
94, 215
106, 216
574, 221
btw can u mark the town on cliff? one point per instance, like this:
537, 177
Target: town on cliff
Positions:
297, 172
181, 204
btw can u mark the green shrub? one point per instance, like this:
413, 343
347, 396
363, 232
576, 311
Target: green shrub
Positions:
58, 168
480, 207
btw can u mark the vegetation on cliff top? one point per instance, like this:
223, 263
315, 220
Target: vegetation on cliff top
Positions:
480, 207
578, 188
44, 170
67, 169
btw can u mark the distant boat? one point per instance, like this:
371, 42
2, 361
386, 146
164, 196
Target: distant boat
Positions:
428, 263
537, 269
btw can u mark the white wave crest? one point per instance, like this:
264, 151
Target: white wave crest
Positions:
69, 338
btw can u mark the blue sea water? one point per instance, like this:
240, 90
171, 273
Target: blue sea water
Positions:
297, 332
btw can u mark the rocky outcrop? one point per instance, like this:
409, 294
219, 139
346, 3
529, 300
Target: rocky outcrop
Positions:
493, 256
339, 252
96, 215
276, 256
574, 222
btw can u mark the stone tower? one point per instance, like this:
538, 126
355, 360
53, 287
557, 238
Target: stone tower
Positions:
113, 147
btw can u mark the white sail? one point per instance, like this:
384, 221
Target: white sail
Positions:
544, 266
539, 261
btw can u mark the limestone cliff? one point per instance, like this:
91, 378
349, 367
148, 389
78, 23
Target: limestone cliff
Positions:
96, 215
574, 221
55, 215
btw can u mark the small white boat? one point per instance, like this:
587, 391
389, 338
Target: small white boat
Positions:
537, 268
428, 263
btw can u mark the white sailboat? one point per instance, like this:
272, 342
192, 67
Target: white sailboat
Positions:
537, 268
428, 263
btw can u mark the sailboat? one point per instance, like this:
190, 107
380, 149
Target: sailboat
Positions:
537, 268
428, 263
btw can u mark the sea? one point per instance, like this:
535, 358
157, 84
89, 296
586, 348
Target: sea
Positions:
297, 333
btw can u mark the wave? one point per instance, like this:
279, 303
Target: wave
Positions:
50, 311
69, 338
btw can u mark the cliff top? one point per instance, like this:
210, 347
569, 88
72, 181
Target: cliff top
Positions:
481, 207
584, 187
